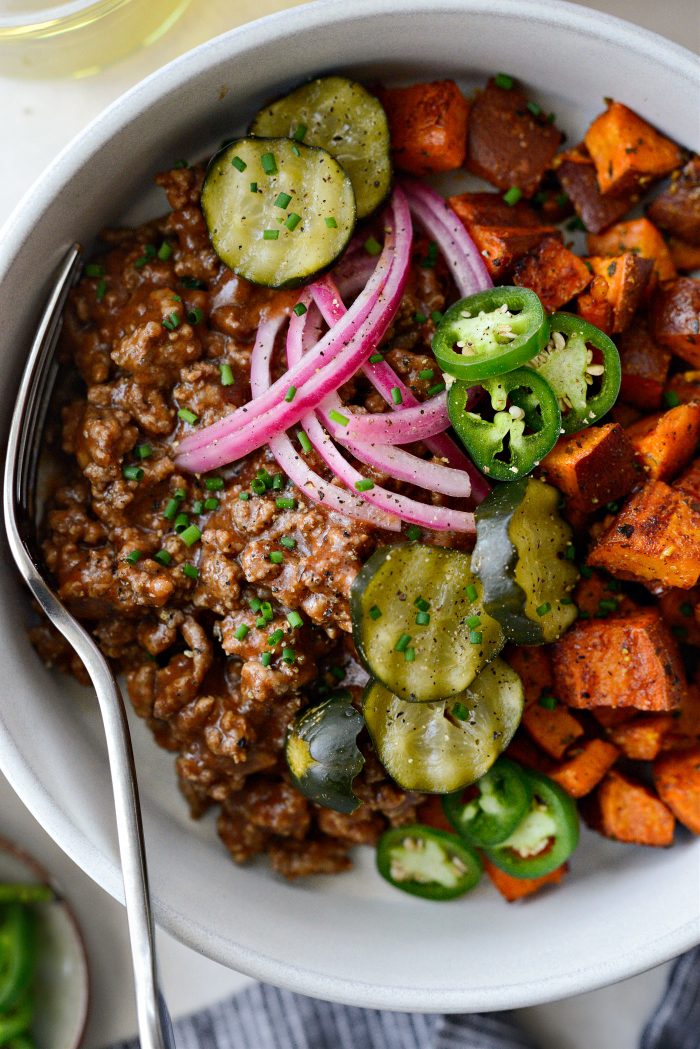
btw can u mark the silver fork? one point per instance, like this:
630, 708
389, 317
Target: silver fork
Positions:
23, 452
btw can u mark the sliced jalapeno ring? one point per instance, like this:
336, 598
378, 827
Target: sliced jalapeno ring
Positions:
509, 445
582, 366
488, 812
490, 333
545, 837
427, 862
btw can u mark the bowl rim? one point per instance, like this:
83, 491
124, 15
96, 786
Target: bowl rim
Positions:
76, 844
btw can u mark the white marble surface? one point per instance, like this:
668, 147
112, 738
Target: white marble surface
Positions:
38, 119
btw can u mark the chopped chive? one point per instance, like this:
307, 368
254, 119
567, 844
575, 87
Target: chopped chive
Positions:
133, 473
475, 637
304, 441
165, 251
239, 164
290, 394
172, 321
289, 655
143, 451
437, 388
266, 659
586, 571
299, 133
576, 223
282, 200
459, 710
214, 484
422, 618
403, 643
198, 506
261, 622
473, 621
101, 289
179, 494
540, 198
180, 163
570, 552
561, 199
299, 309
376, 358
503, 80
372, 246
277, 483
365, 485
276, 557
195, 316
338, 417
150, 251
686, 609
162, 557
269, 164
330, 222
512, 196
396, 395
472, 592
436, 316
285, 503
288, 542
181, 522
296, 151
543, 609
253, 187
191, 571
266, 609
426, 373
271, 234
566, 601
295, 620
191, 535
244, 496
419, 318
241, 632
548, 702
211, 504
275, 637
293, 220
551, 117
413, 533
409, 654
375, 612
671, 399
133, 557
421, 604
93, 269
535, 108
258, 486
187, 416
254, 604
428, 263
171, 508
337, 672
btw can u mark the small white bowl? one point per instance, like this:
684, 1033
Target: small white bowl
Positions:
349, 938
62, 979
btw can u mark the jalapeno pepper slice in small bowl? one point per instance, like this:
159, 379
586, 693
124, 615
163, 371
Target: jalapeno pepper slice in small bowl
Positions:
509, 445
582, 366
17, 953
490, 333
488, 812
545, 837
427, 862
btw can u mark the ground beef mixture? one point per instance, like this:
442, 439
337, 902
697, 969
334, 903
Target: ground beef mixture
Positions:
146, 330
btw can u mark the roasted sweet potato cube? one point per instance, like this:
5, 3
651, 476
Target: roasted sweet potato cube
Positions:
654, 539
641, 738
645, 365
666, 442
534, 665
428, 126
507, 144
553, 272
611, 717
685, 731
594, 307
639, 236
677, 779
431, 812
628, 153
624, 414
524, 751
628, 661
627, 277
688, 484
677, 208
585, 767
679, 609
502, 246
684, 255
599, 598
683, 387
592, 467
490, 209
576, 172
518, 888
554, 730
626, 810
676, 318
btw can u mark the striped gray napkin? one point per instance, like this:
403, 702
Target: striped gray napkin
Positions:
265, 1017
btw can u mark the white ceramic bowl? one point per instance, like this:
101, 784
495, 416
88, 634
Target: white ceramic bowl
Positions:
347, 938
